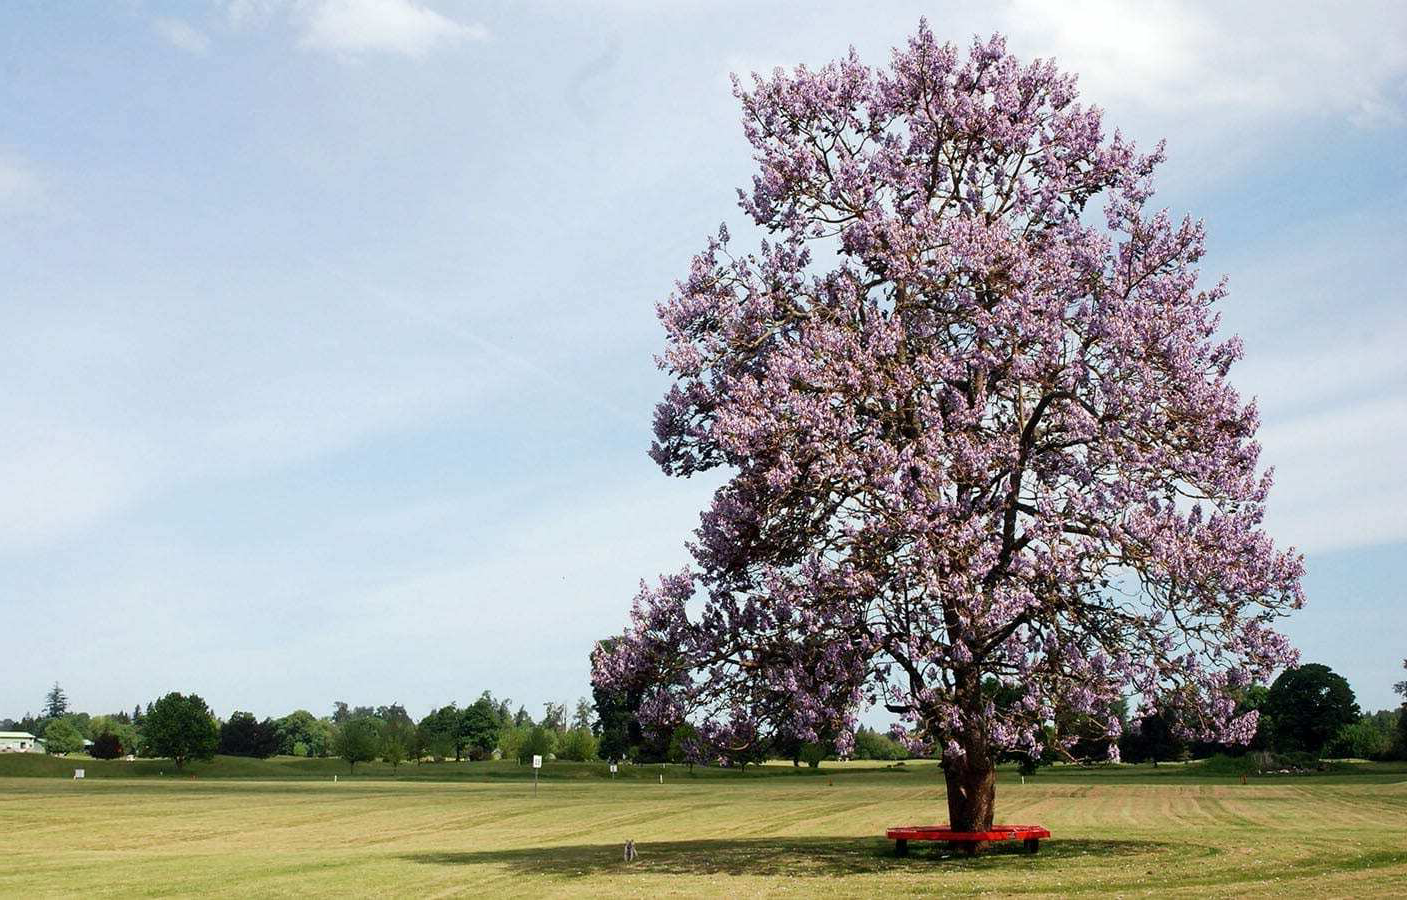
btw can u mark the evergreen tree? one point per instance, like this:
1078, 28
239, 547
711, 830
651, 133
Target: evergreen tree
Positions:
55, 702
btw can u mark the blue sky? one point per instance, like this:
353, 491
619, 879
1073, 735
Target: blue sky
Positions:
327, 327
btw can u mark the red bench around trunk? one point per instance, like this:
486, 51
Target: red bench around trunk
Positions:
1030, 834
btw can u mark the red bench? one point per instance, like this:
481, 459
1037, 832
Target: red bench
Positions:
1030, 834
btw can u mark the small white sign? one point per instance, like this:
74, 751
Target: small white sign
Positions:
77, 773
537, 762
613, 768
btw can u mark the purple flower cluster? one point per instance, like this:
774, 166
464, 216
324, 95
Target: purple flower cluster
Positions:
987, 467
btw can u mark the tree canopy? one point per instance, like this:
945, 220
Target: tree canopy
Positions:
181, 727
974, 431
244, 735
1308, 705
62, 736
55, 702
358, 739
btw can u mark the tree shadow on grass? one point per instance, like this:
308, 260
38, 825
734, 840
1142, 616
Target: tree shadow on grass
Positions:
771, 856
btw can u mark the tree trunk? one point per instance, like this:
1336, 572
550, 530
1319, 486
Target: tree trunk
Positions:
972, 796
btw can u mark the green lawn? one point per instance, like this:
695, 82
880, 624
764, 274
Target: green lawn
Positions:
481, 831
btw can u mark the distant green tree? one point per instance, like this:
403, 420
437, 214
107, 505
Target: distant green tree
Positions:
393, 713
397, 740
301, 730
180, 727
679, 744
244, 735
1309, 704
55, 702
1360, 740
1153, 738
357, 739
510, 742
870, 744
521, 719
554, 716
439, 733
478, 727
577, 745
503, 709
82, 721
60, 737
584, 713
813, 753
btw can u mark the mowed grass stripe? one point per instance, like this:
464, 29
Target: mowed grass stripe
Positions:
753, 837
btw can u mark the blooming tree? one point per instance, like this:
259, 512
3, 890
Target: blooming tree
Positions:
987, 469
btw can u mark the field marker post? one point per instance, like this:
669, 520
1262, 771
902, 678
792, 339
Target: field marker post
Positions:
537, 764
613, 771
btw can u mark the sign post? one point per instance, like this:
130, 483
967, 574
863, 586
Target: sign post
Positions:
78, 773
537, 764
613, 771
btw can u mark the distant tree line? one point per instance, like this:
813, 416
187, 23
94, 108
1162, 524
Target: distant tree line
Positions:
183, 728
1309, 712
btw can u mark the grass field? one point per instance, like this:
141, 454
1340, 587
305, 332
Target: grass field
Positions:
1122, 831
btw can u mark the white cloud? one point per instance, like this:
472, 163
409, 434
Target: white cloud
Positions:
1227, 62
182, 35
382, 26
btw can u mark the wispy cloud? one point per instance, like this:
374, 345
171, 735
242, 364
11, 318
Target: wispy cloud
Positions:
402, 27
182, 35
1338, 483
100, 422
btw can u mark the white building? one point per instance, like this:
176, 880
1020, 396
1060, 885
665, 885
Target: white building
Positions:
19, 742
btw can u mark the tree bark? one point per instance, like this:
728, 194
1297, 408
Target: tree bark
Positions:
972, 796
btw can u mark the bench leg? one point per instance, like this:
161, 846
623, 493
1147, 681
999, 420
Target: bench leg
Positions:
1033, 845
901, 847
